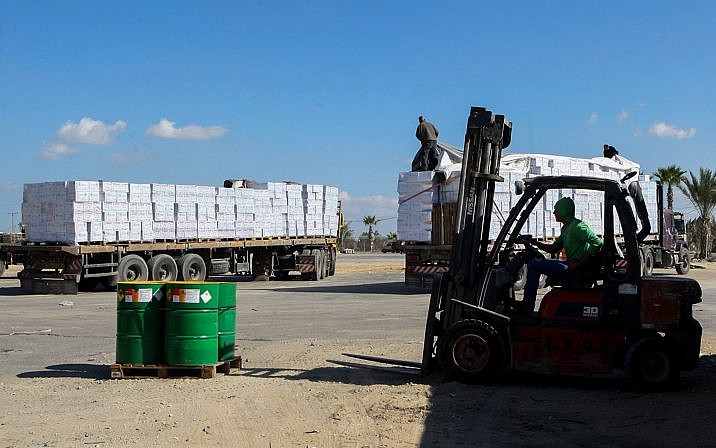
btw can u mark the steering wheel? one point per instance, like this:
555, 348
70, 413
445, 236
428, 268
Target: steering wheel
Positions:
530, 251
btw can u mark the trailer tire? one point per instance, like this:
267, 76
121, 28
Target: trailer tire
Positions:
163, 267
326, 263
88, 284
316, 274
192, 268
332, 270
648, 261
684, 264
132, 268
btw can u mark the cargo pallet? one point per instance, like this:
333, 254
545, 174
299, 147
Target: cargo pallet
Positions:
134, 371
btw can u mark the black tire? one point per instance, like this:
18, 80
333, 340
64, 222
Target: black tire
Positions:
471, 351
88, 284
332, 270
521, 279
326, 263
650, 364
648, 262
319, 263
132, 268
192, 268
163, 267
109, 282
684, 265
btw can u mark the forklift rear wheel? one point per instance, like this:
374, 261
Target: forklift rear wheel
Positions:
473, 352
650, 364
684, 264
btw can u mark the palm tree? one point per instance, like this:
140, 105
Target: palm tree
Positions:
392, 236
701, 192
672, 176
370, 221
345, 233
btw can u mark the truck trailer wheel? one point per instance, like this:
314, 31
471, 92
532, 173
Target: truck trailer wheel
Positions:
648, 261
326, 263
472, 352
163, 267
650, 364
332, 270
684, 264
192, 268
132, 268
318, 273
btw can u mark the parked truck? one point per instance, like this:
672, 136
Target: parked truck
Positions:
665, 247
61, 268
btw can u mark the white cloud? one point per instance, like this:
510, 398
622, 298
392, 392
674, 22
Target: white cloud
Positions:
166, 129
89, 131
665, 130
382, 207
57, 150
593, 118
127, 159
622, 117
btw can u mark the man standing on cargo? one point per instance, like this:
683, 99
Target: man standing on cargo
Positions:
427, 157
579, 242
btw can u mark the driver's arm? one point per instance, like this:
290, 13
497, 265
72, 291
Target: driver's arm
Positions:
552, 248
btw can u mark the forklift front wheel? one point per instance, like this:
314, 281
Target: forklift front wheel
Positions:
472, 352
650, 364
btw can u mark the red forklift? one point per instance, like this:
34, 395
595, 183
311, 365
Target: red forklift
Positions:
604, 321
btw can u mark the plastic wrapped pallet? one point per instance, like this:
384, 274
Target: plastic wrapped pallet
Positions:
414, 189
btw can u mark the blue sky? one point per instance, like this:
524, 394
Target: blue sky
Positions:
329, 91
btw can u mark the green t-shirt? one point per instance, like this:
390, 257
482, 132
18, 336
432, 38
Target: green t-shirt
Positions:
577, 239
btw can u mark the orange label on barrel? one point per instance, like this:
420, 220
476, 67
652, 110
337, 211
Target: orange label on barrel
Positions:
185, 295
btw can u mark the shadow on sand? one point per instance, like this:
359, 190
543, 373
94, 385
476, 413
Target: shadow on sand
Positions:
92, 371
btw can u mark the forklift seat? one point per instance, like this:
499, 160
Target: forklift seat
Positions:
584, 278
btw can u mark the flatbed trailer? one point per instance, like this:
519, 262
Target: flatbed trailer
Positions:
67, 269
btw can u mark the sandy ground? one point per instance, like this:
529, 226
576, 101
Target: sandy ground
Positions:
288, 395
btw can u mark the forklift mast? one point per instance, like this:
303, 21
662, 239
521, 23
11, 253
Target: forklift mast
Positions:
486, 136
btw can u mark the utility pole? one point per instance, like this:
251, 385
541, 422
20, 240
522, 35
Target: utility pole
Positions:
12, 226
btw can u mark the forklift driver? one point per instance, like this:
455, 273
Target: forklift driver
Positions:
577, 239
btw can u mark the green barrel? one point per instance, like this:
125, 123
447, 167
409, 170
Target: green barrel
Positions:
192, 320
227, 320
140, 324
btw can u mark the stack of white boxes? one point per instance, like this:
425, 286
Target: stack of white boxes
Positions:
246, 214
141, 213
414, 211
115, 210
96, 211
226, 213
163, 199
415, 199
296, 211
330, 210
313, 203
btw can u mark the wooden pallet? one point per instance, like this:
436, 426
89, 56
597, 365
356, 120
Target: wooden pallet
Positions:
133, 371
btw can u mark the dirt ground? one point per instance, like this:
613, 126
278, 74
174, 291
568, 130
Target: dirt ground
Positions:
288, 395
